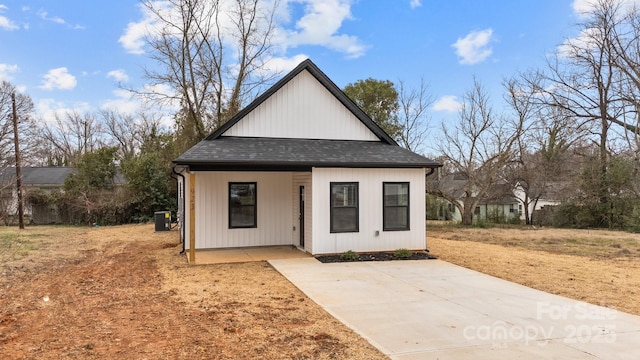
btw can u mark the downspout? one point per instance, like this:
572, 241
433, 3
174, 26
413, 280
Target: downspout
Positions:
173, 170
431, 171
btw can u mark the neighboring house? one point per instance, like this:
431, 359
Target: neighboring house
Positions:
453, 186
552, 194
45, 179
302, 165
501, 203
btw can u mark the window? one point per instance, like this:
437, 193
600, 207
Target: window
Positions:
242, 205
344, 207
395, 198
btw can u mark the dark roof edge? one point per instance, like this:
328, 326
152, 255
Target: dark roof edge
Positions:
275, 164
326, 82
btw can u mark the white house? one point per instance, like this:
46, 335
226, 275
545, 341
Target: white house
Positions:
503, 201
44, 179
302, 165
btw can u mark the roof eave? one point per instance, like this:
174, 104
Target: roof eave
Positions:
292, 166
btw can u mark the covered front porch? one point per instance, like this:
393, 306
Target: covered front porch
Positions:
246, 254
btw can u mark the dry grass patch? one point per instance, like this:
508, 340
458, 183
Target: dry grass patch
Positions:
125, 292
595, 266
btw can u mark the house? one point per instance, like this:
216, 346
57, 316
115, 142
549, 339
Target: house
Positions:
452, 187
503, 201
499, 205
45, 179
302, 165
553, 193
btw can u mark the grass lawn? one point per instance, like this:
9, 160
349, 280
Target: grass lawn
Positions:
597, 266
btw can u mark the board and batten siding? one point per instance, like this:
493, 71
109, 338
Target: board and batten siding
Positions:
302, 179
274, 218
370, 211
302, 109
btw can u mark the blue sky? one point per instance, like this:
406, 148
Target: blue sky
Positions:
70, 55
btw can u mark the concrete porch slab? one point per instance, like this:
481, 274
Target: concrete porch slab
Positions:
247, 254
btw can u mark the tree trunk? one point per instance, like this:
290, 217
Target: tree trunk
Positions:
467, 217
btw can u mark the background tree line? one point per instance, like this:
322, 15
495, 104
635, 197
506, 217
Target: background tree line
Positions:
572, 126
571, 129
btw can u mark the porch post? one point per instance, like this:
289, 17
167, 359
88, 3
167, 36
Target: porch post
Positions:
192, 218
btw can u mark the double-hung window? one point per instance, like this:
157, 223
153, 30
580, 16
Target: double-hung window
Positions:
344, 207
242, 205
395, 197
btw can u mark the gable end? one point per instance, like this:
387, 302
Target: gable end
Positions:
329, 85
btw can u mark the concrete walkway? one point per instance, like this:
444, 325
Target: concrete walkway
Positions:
430, 309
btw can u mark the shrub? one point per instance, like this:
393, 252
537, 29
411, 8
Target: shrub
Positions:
349, 256
402, 254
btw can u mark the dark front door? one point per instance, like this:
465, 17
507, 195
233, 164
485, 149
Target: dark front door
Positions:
301, 216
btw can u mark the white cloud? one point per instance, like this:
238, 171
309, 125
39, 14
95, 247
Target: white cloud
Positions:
5, 22
474, 47
118, 75
6, 70
415, 3
133, 39
58, 78
47, 109
582, 8
447, 103
278, 65
587, 39
319, 26
44, 15
55, 19
123, 103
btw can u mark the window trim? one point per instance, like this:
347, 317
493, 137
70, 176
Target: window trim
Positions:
408, 206
255, 204
331, 207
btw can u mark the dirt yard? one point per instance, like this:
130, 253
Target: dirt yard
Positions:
125, 293
596, 266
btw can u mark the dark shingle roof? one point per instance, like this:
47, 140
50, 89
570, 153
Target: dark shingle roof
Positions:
240, 153
38, 176
452, 184
47, 176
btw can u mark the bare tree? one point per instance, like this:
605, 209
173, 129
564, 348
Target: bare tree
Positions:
211, 54
122, 130
128, 132
23, 111
594, 79
412, 115
71, 136
24, 108
477, 148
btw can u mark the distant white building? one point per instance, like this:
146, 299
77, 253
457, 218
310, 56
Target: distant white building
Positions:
502, 202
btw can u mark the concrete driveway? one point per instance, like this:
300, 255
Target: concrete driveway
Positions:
430, 309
